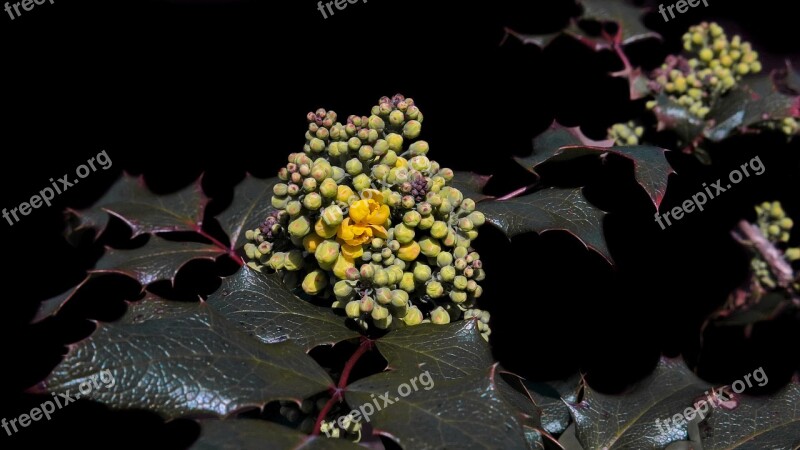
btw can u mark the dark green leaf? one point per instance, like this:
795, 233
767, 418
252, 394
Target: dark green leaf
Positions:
248, 434
181, 359
252, 201
263, 306
548, 144
673, 116
471, 185
157, 260
130, 200
629, 421
469, 412
550, 397
446, 351
550, 209
52, 306
756, 422
627, 16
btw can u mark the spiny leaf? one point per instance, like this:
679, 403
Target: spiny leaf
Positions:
550, 397
471, 184
181, 359
446, 351
249, 434
627, 17
756, 422
650, 165
130, 200
676, 117
550, 209
755, 101
263, 306
629, 421
250, 206
468, 412
52, 306
157, 260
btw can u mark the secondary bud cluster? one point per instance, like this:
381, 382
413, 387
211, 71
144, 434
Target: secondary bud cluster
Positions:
712, 67
626, 133
363, 215
776, 226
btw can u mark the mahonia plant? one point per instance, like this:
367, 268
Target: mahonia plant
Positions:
363, 217
776, 227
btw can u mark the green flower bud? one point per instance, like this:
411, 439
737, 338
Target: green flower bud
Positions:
786, 223
327, 253
250, 250
412, 129
332, 215
353, 167
381, 147
446, 207
468, 205
353, 144
461, 264
407, 282
367, 271
793, 254
396, 118
425, 209
280, 189
315, 282
403, 234
366, 153
316, 145
477, 218
439, 316
265, 248
294, 208
426, 223
421, 163
455, 196
439, 229
465, 224
444, 259
353, 309
434, 289
381, 277
276, 261
299, 227
480, 275
395, 142
381, 317
458, 296
429, 247
411, 219
408, 202
419, 148
343, 290
460, 282
380, 171
309, 184
461, 252
434, 199
293, 260
376, 123
400, 304
383, 295
422, 273
367, 304
390, 158
361, 182
312, 201
413, 316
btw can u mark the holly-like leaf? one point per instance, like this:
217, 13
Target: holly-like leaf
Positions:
181, 359
263, 306
755, 101
469, 412
250, 206
471, 184
130, 200
558, 143
157, 260
550, 398
673, 116
550, 209
52, 306
756, 422
627, 17
630, 420
248, 434
445, 351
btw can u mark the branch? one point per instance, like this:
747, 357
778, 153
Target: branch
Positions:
771, 254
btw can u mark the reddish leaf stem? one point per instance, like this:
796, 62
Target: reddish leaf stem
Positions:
337, 392
231, 252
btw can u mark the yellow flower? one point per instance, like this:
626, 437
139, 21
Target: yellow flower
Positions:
365, 221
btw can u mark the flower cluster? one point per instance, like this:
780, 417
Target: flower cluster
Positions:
776, 227
714, 65
364, 216
626, 133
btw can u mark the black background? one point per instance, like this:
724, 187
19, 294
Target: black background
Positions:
175, 89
